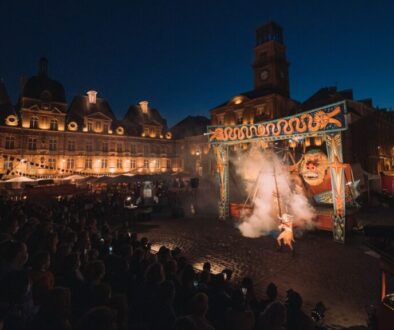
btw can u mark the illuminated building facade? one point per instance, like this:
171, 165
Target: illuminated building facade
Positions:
270, 97
44, 137
370, 138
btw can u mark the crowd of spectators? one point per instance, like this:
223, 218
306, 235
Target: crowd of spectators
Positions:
69, 264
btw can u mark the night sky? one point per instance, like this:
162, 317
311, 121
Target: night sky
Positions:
188, 56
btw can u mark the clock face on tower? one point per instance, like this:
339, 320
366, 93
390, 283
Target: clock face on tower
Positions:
264, 75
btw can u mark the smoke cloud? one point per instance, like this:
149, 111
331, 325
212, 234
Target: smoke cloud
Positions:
257, 170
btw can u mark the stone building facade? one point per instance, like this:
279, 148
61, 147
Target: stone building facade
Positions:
43, 136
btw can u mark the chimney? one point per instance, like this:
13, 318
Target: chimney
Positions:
92, 96
43, 67
144, 106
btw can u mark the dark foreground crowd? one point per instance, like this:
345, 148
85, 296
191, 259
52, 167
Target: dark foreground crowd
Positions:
68, 266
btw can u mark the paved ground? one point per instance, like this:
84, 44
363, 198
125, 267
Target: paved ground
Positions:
344, 277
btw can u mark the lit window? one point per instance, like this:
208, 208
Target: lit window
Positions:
146, 163
98, 125
70, 163
119, 163
53, 125
104, 163
132, 164
34, 122
88, 163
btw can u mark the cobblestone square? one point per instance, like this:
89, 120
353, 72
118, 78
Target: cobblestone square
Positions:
344, 277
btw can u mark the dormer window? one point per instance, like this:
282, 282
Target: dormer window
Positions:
92, 95
144, 106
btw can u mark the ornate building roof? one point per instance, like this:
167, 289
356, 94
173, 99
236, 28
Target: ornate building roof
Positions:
140, 115
41, 87
80, 107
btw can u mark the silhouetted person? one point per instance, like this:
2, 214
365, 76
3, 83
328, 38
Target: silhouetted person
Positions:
199, 308
273, 317
41, 277
271, 293
296, 318
239, 317
99, 318
54, 313
163, 314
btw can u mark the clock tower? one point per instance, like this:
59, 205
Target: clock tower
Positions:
270, 67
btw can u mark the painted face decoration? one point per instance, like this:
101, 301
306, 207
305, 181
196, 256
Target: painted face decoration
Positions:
314, 167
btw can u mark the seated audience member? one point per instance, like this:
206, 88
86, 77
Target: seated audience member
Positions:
273, 317
220, 301
101, 295
16, 300
42, 279
186, 290
14, 257
10, 228
95, 272
184, 323
170, 271
238, 317
296, 318
271, 293
54, 313
163, 314
250, 296
98, 318
199, 308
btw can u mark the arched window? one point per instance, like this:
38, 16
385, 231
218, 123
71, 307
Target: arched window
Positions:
53, 125
33, 122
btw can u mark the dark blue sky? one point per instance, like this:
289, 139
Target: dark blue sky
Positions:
188, 56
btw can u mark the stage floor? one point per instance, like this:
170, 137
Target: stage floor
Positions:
344, 277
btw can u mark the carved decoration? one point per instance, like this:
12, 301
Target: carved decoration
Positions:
324, 120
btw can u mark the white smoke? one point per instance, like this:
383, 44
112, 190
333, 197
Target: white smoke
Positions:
257, 169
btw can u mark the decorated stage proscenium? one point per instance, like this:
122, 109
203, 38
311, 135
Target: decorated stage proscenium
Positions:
325, 123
